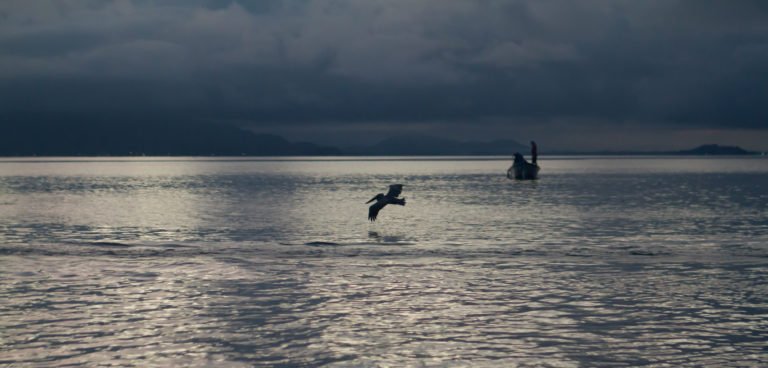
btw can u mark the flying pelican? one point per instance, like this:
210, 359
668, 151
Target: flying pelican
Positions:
383, 200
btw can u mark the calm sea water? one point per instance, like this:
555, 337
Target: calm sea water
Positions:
604, 261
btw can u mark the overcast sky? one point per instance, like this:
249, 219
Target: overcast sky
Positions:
588, 74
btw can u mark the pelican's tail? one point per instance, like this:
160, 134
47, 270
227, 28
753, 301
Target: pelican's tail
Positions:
400, 201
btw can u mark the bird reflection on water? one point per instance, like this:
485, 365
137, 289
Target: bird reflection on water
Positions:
386, 238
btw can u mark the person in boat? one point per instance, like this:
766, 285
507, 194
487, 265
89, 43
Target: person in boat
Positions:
534, 152
519, 159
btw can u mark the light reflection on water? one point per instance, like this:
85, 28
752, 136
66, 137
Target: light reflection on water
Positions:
604, 261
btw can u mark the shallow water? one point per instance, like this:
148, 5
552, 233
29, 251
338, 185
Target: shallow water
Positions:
604, 261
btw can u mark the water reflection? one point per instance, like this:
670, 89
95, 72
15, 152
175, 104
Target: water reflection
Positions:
240, 263
350, 312
630, 205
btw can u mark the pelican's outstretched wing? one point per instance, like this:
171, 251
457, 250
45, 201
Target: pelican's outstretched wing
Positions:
395, 190
373, 211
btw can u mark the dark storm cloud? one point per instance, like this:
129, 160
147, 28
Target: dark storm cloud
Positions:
259, 63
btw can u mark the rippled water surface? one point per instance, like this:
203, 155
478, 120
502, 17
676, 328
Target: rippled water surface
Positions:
604, 261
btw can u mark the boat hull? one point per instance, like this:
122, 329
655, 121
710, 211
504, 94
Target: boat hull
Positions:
523, 171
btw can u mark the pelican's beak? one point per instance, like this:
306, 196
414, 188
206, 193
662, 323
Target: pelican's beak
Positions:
372, 199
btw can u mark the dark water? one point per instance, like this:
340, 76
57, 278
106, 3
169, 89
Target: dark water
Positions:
198, 262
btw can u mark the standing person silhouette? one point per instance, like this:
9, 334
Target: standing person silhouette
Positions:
534, 152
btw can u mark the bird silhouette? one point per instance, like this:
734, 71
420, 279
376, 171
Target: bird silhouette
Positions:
385, 199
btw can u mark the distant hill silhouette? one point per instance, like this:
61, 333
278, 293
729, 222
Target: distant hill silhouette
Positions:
206, 139
706, 149
714, 149
427, 145
159, 139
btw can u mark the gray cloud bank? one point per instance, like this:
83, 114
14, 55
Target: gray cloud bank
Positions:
351, 67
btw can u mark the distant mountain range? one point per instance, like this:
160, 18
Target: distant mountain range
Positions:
706, 149
47, 139
714, 149
427, 145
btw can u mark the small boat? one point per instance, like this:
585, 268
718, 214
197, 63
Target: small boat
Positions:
522, 170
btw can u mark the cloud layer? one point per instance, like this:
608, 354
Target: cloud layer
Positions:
443, 65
